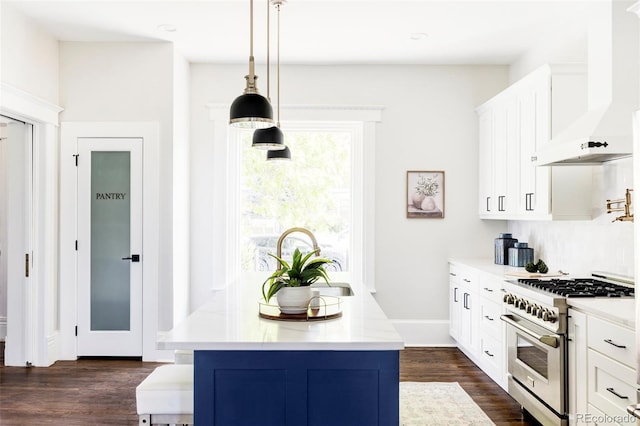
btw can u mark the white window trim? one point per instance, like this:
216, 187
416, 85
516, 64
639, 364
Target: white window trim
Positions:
225, 164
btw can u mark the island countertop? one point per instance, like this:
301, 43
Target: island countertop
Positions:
231, 321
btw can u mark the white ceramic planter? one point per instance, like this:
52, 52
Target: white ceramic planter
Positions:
294, 300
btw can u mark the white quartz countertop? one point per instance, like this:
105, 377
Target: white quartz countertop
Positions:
617, 310
231, 321
622, 311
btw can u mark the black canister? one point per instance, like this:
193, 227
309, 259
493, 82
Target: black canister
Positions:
502, 245
520, 254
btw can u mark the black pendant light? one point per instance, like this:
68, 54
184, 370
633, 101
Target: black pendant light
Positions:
270, 138
251, 109
279, 154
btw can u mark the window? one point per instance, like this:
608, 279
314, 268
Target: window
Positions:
313, 191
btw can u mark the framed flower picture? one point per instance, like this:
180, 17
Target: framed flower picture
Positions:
425, 194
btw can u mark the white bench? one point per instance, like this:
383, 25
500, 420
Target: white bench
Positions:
183, 357
166, 396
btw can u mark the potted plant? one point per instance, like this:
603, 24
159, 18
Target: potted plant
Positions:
291, 282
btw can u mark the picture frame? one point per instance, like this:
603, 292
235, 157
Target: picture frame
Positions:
425, 194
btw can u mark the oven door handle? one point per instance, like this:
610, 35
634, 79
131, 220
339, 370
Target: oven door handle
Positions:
547, 339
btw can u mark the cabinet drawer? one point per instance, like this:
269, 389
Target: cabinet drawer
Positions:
490, 323
611, 386
492, 355
490, 288
612, 340
595, 417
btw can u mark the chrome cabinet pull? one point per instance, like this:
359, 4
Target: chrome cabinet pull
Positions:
613, 391
452, 274
488, 289
488, 317
609, 341
466, 280
488, 353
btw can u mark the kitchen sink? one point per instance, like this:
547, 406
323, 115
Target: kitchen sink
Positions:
333, 289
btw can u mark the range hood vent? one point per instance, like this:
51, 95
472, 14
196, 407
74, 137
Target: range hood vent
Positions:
604, 132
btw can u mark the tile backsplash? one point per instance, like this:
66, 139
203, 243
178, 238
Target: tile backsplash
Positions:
580, 247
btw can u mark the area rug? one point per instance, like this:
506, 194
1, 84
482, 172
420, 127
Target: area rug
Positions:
436, 403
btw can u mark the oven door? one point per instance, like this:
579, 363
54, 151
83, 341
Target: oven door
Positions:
536, 361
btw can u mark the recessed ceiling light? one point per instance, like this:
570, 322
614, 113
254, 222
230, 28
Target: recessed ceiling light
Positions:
418, 36
167, 28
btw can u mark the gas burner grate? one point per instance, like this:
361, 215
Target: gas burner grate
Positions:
579, 287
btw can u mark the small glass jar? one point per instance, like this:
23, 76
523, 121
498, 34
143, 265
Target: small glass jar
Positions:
520, 254
501, 251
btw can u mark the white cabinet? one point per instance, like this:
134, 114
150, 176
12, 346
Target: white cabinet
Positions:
602, 357
492, 356
512, 127
577, 363
475, 309
463, 309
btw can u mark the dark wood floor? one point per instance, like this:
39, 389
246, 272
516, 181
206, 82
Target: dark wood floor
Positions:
102, 392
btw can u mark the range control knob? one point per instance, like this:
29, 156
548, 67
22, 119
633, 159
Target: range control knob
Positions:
508, 298
539, 312
547, 315
552, 317
531, 308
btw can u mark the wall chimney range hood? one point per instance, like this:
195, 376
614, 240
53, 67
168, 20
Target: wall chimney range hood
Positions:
605, 131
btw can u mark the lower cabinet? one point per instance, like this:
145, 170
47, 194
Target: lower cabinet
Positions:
602, 371
475, 306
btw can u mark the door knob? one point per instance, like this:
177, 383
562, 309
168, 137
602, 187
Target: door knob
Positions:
133, 258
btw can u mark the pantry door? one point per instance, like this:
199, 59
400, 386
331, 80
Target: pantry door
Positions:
109, 247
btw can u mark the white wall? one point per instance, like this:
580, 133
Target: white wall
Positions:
128, 82
429, 123
181, 189
581, 247
28, 56
3, 232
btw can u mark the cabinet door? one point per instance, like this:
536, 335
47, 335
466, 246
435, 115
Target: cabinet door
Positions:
487, 203
500, 136
578, 389
534, 117
455, 306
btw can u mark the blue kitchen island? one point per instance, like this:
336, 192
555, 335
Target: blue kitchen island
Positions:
252, 371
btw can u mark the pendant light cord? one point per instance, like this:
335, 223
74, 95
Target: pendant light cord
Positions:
268, 56
251, 59
278, 66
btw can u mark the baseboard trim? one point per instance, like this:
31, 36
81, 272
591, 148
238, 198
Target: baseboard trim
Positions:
424, 333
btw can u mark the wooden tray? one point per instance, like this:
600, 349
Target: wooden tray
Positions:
330, 308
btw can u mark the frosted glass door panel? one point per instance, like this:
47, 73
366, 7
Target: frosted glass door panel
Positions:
110, 240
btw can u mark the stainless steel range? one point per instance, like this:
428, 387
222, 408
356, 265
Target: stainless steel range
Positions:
536, 318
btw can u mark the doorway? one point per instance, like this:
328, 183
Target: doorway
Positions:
16, 254
109, 246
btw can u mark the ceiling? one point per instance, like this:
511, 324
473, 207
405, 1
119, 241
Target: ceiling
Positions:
331, 31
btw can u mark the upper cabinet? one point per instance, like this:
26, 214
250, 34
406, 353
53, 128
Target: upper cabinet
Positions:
512, 126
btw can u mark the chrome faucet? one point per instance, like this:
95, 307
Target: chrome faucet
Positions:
316, 248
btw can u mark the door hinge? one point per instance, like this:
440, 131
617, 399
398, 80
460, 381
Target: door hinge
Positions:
76, 156
76, 330
26, 265
76, 245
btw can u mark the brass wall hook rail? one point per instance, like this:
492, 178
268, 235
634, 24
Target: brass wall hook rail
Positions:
621, 205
